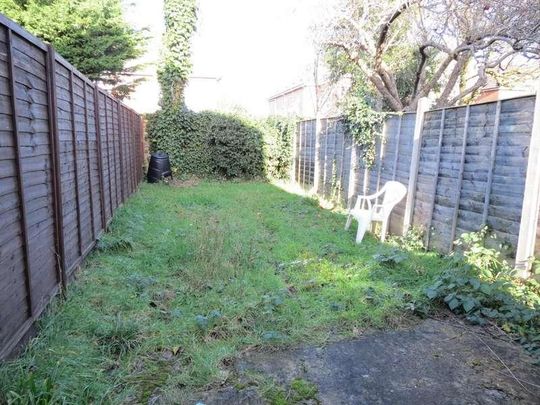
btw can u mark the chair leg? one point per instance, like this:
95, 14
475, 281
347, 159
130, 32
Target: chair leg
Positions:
384, 229
348, 223
363, 224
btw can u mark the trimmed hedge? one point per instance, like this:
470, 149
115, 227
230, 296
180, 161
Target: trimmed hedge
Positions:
225, 145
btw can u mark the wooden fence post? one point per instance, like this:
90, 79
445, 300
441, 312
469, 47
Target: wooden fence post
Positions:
423, 104
353, 172
106, 108
99, 157
89, 162
141, 141
121, 153
341, 178
317, 168
55, 158
380, 161
531, 198
325, 157
75, 158
303, 148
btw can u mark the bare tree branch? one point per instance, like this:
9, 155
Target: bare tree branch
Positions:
445, 33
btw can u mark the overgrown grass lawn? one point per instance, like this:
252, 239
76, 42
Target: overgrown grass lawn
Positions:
188, 277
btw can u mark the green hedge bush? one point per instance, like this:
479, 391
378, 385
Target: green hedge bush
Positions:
225, 145
278, 142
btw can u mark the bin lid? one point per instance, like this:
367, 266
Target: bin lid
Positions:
159, 155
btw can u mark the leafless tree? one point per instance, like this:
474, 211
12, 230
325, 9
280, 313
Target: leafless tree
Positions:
457, 43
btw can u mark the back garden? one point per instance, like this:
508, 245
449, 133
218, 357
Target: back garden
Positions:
225, 285
188, 277
199, 273
192, 275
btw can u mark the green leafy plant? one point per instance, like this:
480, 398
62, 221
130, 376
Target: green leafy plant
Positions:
391, 257
32, 391
481, 288
92, 35
225, 145
173, 73
412, 240
364, 124
476, 252
505, 301
278, 145
236, 147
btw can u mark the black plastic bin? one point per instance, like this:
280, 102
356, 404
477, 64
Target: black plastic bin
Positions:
159, 167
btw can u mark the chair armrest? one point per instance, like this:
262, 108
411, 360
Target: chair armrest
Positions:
360, 202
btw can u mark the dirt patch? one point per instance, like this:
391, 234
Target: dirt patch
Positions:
434, 362
184, 183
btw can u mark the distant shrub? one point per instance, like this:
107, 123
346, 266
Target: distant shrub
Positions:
182, 134
236, 146
278, 142
225, 145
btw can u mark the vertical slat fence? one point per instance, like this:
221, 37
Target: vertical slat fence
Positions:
465, 168
59, 147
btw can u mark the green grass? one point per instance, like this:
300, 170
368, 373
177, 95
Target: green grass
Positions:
189, 277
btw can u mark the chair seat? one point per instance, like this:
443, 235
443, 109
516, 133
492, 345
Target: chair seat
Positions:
371, 214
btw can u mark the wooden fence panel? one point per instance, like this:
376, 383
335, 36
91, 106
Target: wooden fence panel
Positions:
476, 167
29, 75
402, 163
15, 302
104, 131
59, 147
510, 169
428, 170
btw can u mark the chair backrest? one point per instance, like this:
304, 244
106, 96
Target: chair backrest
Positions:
394, 192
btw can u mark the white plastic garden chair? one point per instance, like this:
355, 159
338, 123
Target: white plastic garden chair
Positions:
367, 210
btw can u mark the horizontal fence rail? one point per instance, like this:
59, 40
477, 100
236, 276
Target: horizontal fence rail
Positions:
470, 170
70, 154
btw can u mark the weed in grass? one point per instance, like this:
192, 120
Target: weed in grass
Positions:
117, 336
30, 391
215, 255
113, 243
140, 283
391, 258
299, 391
303, 390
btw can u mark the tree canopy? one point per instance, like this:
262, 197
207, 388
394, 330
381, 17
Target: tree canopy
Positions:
409, 49
92, 35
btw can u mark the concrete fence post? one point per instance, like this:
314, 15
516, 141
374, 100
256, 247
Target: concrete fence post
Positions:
423, 105
531, 198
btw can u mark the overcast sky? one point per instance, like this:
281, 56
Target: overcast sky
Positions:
243, 51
